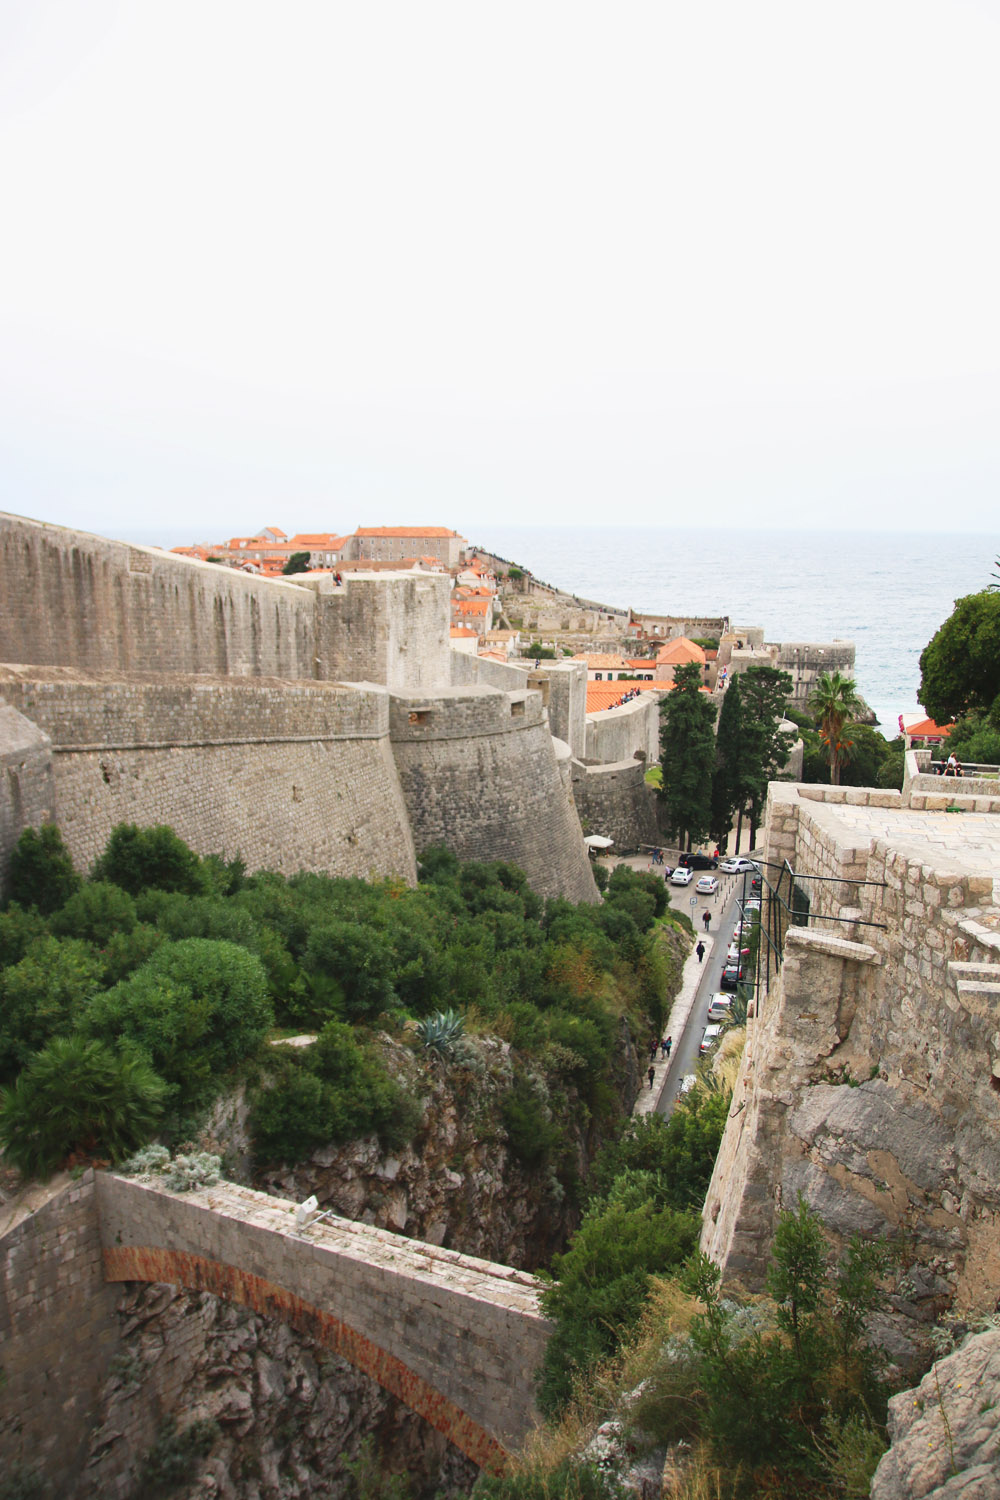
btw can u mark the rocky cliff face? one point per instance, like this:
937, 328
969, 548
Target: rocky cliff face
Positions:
460, 1182
945, 1434
290, 1419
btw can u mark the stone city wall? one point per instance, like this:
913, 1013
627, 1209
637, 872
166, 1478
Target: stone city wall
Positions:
75, 600
870, 1078
27, 789
458, 1339
616, 734
615, 802
393, 630
480, 775
806, 662
58, 1336
288, 776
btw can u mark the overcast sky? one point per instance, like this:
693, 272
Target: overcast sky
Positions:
319, 263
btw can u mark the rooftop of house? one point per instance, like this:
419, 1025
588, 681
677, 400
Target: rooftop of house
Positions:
470, 606
328, 539
462, 631
404, 531
918, 726
602, 661
674, 652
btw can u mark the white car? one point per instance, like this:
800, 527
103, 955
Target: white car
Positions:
682, 876
709, 1039
721, 1008
737, 865
707, 885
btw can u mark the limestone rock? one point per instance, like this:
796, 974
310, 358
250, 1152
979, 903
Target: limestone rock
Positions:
946, 1433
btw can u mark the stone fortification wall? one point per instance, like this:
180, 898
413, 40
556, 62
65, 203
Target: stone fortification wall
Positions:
75, 600
392, 629
567, 701
617, 733
289, 775
27, 789
476, 671
807, 661
479, 775
615, 802
458, 1339
58, 1336
871, 1079
669, 627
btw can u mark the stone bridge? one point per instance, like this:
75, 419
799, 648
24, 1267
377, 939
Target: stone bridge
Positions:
457, 1339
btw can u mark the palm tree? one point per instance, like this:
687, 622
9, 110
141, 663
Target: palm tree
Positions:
836, 703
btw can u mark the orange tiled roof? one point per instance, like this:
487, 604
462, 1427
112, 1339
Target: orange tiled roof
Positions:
680, 650
642, 664
463, 631
326, 539
924, 728
471, 606
404, 531
602, 660
601, 695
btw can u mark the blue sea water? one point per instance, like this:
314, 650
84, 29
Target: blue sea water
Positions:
886, 591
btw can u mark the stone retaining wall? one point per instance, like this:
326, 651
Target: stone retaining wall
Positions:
615, 802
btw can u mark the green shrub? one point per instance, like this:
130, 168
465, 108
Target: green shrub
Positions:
136, 858
41, 871
333, 1091
77, 1095
173, 1459
571, 1479
42, 997
603, 1281
349, 972
532, 1133
96, 912
196, 1008
19, 928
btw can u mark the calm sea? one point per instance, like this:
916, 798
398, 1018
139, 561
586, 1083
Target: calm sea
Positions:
886, 592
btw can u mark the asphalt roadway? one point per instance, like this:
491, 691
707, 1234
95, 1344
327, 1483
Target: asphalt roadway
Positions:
684, 1054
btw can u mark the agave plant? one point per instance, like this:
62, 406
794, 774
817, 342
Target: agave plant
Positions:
441, 1031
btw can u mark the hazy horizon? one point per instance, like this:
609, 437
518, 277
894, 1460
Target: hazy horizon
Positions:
329, 264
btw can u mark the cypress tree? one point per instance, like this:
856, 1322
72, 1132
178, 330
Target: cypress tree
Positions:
687, 756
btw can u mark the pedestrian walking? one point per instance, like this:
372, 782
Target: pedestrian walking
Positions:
700, 950
651, 1075
668, 1044
706, 917
664, 1049
652, 1051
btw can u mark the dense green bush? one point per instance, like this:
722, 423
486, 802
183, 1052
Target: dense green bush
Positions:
195, 1009
97, 912
78, 1095
571, 1479
43, 996
136, 858
333, 1091
41, 871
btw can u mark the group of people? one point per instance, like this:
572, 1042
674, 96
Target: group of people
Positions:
663, 1047
626, 698
952, 766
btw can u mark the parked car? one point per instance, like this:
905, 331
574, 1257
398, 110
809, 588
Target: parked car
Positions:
732, 974
682, 876
707, 885
738, 864
687, 1084
699, 861
734, 951
752, 903
720, 1008
709, 1039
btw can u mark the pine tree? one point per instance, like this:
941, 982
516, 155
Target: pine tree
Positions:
687, 756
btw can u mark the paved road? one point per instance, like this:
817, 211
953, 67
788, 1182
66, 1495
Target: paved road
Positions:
684, 1058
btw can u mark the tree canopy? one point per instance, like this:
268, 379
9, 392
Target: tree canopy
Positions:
687, 755
835, 702
960, 666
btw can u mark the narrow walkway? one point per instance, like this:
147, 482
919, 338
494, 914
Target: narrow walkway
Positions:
680, 1013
